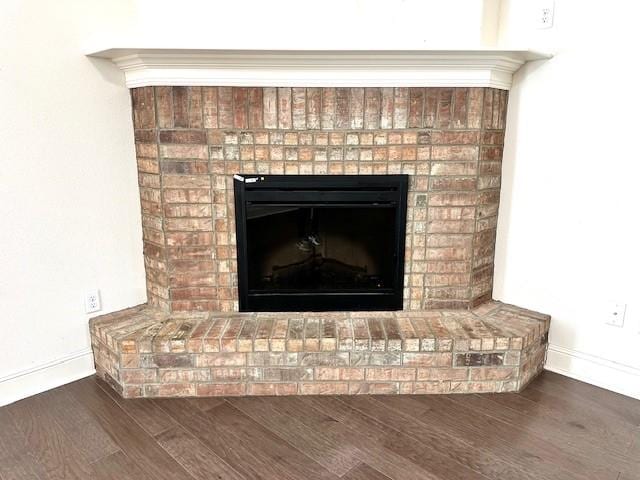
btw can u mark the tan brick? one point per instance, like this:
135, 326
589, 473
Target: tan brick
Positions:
431, 387
184, 376
284, 108
339, 373
427, 359
189, 224
324, 388
482, 374
184, 151
481, 387
373, 388
138, 375
170, 390
220, 389
458, 374
458, 153
391, 373
220, 359
272, 389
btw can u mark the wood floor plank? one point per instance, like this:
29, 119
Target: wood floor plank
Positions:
242, 443
503, 443
80, 426
334, 456
249, 431
625, 408
457, 450
227, 447
557, 431
139, 446
573, 420
567, 404
142, 410
206, 403
364, 472
195, 457
118, 467
48, 443
387, 450
16, 462
545, 445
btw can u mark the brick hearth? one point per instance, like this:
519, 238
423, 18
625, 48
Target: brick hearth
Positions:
145, 352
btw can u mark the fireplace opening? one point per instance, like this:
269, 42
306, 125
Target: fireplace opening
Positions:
320, 243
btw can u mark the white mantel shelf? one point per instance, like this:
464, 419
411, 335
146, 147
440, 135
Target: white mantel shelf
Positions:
317, 68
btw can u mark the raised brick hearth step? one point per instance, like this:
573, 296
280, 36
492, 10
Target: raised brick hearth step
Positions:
144, 352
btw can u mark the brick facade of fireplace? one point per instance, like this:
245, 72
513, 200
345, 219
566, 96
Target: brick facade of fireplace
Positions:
191, 140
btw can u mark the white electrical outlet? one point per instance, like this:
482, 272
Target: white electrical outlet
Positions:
616, 314
92, 301
543, 14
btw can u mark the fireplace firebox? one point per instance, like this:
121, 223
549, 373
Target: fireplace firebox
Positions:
320, 243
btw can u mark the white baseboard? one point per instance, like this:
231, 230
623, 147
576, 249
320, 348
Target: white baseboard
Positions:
41, 378
594, 370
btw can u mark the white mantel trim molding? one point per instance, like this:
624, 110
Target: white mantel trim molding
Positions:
315, 68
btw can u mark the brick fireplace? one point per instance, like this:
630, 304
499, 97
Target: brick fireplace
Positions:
191, 340
434, 118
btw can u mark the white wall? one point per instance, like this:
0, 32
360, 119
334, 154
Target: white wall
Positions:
69, 208
569, 225
295, 24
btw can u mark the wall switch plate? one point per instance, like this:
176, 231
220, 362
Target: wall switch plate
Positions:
92, 301
543, 14
616, 314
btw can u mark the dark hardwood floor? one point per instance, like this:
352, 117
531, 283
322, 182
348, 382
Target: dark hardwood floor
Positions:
556, 429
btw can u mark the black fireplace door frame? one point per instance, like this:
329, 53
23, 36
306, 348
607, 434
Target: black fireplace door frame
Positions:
385, 191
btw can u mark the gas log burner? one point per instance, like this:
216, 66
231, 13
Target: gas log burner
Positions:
320, 242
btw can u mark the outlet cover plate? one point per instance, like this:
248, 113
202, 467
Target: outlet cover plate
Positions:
616, 314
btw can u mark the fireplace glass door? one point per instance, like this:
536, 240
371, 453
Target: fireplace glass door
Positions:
320, 243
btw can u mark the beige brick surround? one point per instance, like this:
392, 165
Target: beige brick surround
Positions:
191, 140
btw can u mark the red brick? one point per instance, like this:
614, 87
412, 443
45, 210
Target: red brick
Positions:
356, 107
182, 136
299, 108
400, 107
443, 116
416, 107
386, 111
372, 108
314, 105
210, 107
240, 107
284, 108
225, 107
474, 116
342, 119
459, 114
270, 107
